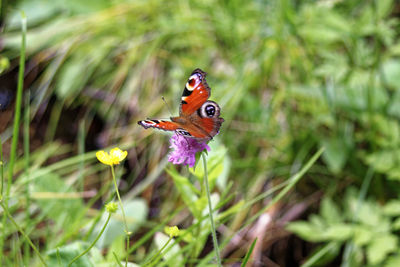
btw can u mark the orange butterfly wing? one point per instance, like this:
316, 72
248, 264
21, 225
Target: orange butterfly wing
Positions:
159, 124
196, 92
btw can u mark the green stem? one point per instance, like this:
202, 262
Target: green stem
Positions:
1, 196
117, 260
153, 259
93, 243
27, 158
98, 216
5, 209
58, 257
1, 167
123, 213
213, 232
81, 152
17, 117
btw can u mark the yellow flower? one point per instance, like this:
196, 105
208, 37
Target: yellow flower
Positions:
111, 207
172, 231
115, 157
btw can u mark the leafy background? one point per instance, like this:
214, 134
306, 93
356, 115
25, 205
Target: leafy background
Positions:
290, 76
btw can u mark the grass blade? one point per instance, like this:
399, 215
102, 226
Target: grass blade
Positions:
247, 257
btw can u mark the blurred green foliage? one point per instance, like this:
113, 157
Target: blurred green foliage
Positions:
291, 76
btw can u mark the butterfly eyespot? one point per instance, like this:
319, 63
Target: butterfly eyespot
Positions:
210, 110
191, 84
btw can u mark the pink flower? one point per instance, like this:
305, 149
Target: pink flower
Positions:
185, 149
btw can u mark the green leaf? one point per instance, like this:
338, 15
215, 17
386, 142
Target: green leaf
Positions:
232, 210
205, 224
384, 8
392, 208
335, 154
77, 71
330, 212
362, 235
319, 34
215, 165
248, 254
70, 251
322, 255
117, 249
396, 224
370, 214
188, 192
393, 261
306, 231
391, 70
380, 247
55, 199
338, 232
4, 64
222, 179
172, 253
386, 161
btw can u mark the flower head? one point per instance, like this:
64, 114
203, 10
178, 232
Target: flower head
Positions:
184, 150
112, 207
172, 231
115, 157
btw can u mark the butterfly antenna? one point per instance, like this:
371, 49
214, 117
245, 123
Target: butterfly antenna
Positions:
162, 97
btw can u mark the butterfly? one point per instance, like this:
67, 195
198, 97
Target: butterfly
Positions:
198, 117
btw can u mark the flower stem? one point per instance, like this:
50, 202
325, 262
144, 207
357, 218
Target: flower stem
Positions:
213, 232
26, 157
123, 214
93, 243
4, 218
117, 260
7, 213
1, 168
153, 259
17, 116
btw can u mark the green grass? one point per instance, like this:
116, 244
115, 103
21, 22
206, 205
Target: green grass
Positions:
309, 92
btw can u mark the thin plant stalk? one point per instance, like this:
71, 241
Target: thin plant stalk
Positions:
213, 232
58, 257
13, 151
94, 241
2, 187
117, 260
7, 213
123, 213
26, 159
1, 167
81, 151
18, 102
153, 259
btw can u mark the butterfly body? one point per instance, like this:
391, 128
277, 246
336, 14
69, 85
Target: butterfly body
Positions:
198, 117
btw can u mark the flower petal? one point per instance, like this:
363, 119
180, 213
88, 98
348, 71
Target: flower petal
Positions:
172, 231
117, 155
104, 157
184, 150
